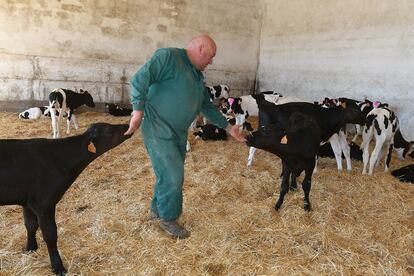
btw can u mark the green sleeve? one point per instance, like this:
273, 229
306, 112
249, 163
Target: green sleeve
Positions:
209, 110
158, 68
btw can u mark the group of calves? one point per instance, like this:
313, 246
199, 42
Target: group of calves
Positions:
296, 130
290, 128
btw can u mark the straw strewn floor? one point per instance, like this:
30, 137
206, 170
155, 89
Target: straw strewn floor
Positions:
359, 225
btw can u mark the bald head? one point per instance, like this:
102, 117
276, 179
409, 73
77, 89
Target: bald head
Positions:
201, 50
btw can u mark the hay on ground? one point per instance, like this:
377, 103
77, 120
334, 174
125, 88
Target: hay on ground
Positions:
358, 224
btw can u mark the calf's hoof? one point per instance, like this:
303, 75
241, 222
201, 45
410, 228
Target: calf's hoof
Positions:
307, 207
31, 247
60, 271
277, 206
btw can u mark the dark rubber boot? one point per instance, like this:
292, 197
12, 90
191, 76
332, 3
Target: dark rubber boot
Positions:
173, 229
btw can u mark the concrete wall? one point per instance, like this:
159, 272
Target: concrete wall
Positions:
352, 48
98, 44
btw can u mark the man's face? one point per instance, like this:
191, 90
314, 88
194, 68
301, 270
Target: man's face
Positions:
206, 57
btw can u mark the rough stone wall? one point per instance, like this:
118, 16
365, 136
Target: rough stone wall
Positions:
354, 48
98, 44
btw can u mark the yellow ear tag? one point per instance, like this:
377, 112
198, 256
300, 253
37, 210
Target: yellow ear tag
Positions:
91, 147
284, 140
343, 104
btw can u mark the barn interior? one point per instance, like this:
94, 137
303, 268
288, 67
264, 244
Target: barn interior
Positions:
359, 224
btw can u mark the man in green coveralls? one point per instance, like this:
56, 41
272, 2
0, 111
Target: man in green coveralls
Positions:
167, 93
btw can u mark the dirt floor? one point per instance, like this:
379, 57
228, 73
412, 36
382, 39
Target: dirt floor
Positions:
359, 225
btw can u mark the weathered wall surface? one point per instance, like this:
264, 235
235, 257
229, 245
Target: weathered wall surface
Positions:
98, 44
353, 48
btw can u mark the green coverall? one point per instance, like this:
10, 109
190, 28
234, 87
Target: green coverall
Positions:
171, 92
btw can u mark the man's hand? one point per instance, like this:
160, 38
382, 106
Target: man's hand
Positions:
235, 132
135, 121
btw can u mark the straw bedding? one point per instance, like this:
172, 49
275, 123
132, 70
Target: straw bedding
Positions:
359, 225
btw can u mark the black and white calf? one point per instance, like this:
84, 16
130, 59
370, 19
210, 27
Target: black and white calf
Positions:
35, 113
401, 146
382, 124
366, 107
65, 100
36, 173
338, 141
245, 106
218, 92
116, 110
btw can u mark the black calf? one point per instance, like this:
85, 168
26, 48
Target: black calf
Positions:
297, 145
116, 110
211, 132
326, 151
313, 123
35, 173
405, 174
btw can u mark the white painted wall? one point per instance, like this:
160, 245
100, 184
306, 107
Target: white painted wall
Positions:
98, 45
354, 48
306, 48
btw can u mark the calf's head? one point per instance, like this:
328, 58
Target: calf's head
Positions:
103, 137
24, 115
88, 98
234, 106
353, 113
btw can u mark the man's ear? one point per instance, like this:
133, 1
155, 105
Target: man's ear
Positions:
200, 49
